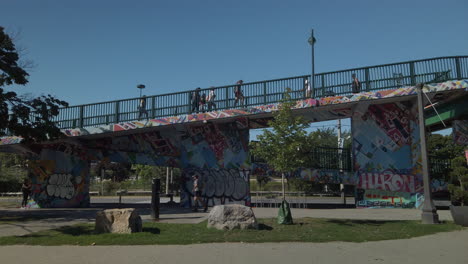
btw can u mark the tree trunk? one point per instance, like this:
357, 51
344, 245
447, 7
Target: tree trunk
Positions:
282, 184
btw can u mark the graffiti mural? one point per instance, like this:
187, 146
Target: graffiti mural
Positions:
387, 156
60, 171
59, 180
219, 186
202, 146
369, 198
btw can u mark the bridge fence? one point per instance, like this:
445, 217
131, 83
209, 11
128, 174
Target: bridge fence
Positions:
373, 78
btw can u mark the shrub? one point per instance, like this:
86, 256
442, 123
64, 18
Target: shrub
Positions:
459, 177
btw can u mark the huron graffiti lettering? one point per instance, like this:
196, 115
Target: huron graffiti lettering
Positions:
386, 180
219, 186
387, 156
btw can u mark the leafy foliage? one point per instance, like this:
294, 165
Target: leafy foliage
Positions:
30, 118
12, 172
327, 138
280, 147
116, 171
443, 146
459, 174
146, 173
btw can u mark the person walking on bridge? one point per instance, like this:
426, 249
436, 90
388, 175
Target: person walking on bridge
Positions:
210, 99
142, 108
307, 90
238, 94
196, 100
356, 84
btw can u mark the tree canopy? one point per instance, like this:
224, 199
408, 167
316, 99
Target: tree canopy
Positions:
24, 116
280, 147
443, 146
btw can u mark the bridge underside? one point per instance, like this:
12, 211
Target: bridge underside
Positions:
386, 153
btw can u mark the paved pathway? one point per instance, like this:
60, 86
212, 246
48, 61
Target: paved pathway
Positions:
439, 248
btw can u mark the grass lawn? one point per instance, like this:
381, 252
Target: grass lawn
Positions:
304, 230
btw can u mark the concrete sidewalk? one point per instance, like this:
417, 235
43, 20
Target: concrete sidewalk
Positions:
439, 248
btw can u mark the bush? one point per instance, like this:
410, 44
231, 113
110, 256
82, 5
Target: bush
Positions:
11, 179
459, 187
309, 187
110, 187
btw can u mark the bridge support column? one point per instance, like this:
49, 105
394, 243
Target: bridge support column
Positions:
429, 213
60, 178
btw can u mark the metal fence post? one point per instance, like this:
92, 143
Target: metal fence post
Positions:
323, 84
412, 73
81, 116
153, 106
227, 98
367, 76
117, 106
458, 68
264, 92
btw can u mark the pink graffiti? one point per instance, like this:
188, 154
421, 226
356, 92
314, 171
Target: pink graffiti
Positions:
10, 140
386, 180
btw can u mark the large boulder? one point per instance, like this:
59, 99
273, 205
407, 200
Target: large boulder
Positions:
121, 221
233, 216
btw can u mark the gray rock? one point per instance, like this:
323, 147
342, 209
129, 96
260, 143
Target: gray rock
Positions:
233, 216
121, 221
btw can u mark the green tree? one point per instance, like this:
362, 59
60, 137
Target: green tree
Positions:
25, 116
12, 172
117, 172
146, 173
280, 147
443, 146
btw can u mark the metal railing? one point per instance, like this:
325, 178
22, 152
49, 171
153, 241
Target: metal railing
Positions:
329, 158
440, 167
372, 78
323, 158
341, 159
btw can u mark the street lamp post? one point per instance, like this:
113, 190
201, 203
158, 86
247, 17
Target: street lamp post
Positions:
141, 87
312, 41
429, 213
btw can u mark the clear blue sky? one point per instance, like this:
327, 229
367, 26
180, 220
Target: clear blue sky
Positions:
91, 51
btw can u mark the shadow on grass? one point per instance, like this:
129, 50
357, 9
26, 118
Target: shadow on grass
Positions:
264, 227
351, 222
152, 230
83, 230
77, 230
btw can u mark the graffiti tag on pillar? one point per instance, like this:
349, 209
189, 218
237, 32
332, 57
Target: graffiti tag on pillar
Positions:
386, 180
219, 183
61, 186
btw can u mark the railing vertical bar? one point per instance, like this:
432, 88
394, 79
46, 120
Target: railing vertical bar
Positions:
458, 68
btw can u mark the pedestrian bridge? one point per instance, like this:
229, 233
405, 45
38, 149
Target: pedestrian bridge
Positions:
381, 82
261, 93
386, 156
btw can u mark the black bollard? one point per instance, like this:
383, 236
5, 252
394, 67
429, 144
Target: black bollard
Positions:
155, 198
